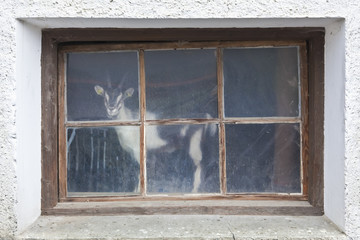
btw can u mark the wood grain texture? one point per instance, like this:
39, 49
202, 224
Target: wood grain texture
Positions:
101, 123
222, 152
49, 138
106, 47
304, 119
316, 120
61, 125
254, 120
142, 126
221, 205
188, 210
186, 197
71, 35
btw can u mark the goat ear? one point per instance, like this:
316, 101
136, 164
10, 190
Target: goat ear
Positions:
99, 90
129, 92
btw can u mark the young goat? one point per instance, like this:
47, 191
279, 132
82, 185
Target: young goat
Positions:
114, 103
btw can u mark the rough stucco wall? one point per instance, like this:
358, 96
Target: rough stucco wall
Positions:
183, 8
7, 121
178, 9
352, 125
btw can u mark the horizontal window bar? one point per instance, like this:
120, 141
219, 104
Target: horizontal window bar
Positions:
247, 120
176, 45
189, 197
101, 123
260, 120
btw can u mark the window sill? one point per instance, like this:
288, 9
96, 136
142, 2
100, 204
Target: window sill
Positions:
181, 227
186, 207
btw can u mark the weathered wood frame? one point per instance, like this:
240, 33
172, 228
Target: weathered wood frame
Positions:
142, 122
312, 143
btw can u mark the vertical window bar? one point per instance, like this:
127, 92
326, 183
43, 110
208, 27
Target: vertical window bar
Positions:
304, 142
222, 153
142, 126
62, 129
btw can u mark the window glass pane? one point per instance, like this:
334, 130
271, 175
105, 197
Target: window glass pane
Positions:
182, 158
261, 82
114, 73
99, 162
263, 158
181, 84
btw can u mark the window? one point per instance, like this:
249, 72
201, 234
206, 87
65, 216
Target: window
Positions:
182, 114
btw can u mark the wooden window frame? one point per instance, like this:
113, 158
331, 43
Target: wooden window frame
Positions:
310, 39
220, 119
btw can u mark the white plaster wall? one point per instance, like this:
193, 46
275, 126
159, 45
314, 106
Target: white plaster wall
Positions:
19, 192
7, 122
334, 202
28, 123
352, 124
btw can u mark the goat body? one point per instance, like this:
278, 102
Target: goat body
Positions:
129, 141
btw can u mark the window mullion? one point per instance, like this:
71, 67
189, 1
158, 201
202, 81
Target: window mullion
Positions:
222, 153
142, 125
62, 128
304, 142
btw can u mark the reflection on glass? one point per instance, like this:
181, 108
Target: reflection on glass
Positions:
114, 72
181, 84
261, 82
99, 161
182, 159
263, 158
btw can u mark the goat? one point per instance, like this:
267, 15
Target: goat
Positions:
114, 103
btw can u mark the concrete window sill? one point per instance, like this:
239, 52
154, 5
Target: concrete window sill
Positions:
181, 227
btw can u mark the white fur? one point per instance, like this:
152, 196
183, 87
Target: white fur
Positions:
130, 141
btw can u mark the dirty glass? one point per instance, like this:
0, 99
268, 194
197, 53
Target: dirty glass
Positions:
263, 158
99, 162
181, 84
261, 82
115, 72
182, 159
